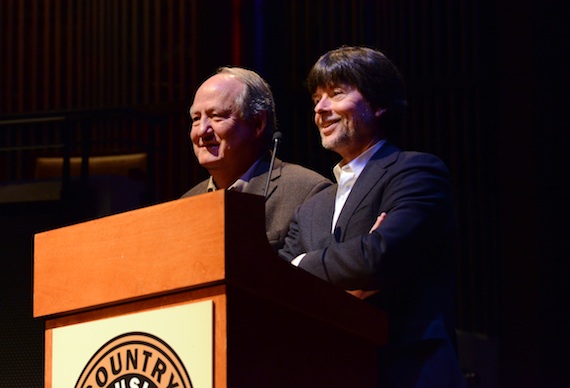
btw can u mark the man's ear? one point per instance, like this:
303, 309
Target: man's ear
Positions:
260, 122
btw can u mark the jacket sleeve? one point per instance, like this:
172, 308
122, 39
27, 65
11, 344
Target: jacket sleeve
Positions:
415, 235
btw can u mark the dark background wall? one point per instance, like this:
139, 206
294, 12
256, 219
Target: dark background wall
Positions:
487, 90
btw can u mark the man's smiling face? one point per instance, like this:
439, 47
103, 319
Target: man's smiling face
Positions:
219, 133
346, 121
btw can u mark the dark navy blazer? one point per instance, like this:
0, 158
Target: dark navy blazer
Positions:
408, 258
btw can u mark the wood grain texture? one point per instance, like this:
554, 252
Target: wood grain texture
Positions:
130, 255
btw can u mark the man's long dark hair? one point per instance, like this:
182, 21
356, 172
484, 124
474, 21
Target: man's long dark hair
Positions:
370, 71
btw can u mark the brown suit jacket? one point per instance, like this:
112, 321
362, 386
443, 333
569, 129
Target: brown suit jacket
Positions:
289, 187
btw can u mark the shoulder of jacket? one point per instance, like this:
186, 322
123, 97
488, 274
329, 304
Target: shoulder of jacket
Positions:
200, 188
295, 170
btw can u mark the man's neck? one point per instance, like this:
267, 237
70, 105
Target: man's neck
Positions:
224, 178
349, 154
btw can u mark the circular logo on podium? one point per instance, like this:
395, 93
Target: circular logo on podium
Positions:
134, 360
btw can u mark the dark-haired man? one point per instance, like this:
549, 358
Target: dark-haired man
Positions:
402, 264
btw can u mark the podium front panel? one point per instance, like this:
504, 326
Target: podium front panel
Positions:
172, 345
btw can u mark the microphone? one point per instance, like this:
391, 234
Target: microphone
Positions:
275, 140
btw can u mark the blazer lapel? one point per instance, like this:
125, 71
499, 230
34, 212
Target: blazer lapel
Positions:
370, 176
321, 220
257, 184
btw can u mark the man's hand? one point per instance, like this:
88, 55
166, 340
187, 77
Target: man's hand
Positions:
379, 220
362, 294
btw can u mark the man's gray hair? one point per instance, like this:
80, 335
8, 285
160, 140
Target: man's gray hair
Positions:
255, 99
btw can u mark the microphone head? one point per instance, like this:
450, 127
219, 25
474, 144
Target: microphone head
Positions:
277, 136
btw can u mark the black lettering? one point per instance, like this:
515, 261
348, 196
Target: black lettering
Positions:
159, 369
147, 355
101, 372
132, 360
117, 370
171, 384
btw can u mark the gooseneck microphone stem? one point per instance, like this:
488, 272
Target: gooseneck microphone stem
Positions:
276, 139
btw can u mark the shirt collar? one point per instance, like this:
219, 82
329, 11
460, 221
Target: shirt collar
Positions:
357, 164
241, 183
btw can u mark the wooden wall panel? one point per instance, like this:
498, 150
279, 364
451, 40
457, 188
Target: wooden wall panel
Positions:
65, 55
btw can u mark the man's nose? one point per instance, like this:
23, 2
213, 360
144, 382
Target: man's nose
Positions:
323, 104
202, 126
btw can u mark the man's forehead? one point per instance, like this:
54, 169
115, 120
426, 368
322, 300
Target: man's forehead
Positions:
219, 89
334, 84
222, 81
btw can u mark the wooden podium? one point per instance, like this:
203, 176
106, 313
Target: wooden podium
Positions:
273, 325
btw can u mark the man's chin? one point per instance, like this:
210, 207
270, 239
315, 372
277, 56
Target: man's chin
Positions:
336, 144
209, 163
329, 142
